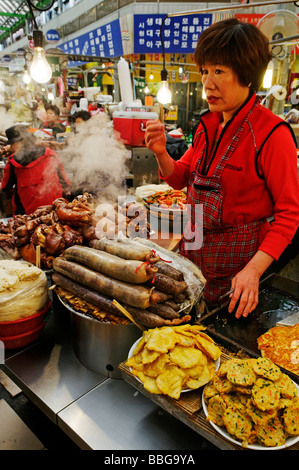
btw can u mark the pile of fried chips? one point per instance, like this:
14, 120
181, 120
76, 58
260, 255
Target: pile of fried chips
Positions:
168, 360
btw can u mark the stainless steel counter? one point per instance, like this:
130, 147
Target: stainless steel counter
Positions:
95, 411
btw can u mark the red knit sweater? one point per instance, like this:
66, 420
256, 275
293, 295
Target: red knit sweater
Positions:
259, 181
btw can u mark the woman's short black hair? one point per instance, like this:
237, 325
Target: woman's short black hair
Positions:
240, 46
84, 115
53, 108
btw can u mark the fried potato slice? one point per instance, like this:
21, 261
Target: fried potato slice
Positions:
149, 383
161, 339
139, 346
171, 380
202, 380
185, 340
194, 372
186, 357
135, 362
156, 367
148, 355
208, 347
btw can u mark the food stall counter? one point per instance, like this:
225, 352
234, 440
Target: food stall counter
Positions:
95, 411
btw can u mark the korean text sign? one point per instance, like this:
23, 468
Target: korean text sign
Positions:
180, 33
104, 41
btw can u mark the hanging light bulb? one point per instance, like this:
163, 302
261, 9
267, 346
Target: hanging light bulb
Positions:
40, 69
267, 81
26, 77
164, 93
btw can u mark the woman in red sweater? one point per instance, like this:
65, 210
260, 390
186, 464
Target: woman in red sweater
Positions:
241, 170
35, 173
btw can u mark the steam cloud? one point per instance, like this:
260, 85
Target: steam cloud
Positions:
96, 159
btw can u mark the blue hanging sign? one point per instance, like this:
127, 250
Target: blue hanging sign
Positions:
104, 41
180, 33
52, 35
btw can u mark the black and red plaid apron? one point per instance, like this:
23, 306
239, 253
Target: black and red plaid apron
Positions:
223, 250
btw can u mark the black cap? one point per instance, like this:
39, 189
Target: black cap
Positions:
16, 134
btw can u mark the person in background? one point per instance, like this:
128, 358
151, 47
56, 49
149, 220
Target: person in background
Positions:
35, 173
240, 171
53, 122
81, 116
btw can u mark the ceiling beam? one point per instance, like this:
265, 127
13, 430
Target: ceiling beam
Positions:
12, 15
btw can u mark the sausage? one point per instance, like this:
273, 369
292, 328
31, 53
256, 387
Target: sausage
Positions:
171, 303
88, 295
168, 270
162, 296
179, 298
168, 285
148, 319
164, 311
131, 271
151, 320
136, 296
125, 250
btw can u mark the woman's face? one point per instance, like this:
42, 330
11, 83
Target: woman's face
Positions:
223, 91
15, 147
51, 116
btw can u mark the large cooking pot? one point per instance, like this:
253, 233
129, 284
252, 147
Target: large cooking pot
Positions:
100, 346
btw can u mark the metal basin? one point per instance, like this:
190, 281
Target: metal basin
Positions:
101, 347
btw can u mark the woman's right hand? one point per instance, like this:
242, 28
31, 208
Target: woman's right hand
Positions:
155, 138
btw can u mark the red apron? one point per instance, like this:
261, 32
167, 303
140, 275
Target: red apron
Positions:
220, 251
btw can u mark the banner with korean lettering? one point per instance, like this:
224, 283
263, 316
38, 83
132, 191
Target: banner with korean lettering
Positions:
180, 33
104, 41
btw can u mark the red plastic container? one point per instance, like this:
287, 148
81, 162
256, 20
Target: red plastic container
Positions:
19, 333
131, 126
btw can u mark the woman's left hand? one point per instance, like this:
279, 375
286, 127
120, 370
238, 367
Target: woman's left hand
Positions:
245, 287
245, 284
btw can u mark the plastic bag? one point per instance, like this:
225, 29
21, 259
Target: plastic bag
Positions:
23, 290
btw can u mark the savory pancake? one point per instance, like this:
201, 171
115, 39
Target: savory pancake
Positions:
281, 345
271, 434
265, 395
264, 367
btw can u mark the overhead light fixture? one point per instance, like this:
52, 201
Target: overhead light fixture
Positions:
267, 81
40, 69
26, 77
164, 93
